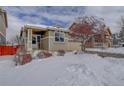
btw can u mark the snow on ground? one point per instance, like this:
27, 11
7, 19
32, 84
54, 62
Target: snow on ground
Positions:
80, 69
110, 50
6, 62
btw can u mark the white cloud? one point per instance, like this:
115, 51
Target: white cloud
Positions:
65, 18
14, 26
111, 15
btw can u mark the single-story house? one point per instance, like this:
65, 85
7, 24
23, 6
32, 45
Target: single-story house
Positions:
51, 38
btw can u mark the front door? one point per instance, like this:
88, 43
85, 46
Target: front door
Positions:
36, 41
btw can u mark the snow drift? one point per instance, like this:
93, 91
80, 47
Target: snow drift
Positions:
80, 69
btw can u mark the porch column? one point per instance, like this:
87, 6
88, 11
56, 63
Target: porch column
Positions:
24, 39
49, 40
29, 40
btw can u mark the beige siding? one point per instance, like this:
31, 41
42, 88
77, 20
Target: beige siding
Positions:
74, 46
44, 44
54, 46
57, 46
67, 46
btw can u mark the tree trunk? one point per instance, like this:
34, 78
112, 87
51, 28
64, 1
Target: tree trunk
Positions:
83, 47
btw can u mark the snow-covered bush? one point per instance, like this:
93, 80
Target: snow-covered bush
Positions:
26, 59
22, 56
44, 54
35, 53
55, 53
22, 59
75, 52
61, 52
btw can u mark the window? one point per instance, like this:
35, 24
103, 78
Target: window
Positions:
0, 40
33, 40
59, 37
38, 38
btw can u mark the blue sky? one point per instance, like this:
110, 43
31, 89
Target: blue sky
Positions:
60, 15
46, 15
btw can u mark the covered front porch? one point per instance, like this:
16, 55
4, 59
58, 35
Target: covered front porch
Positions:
37, 39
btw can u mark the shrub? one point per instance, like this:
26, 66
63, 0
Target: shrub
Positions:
26, 59
75, 52
61, 52
22, 59
44, 54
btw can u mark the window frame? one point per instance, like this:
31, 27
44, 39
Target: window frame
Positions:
34, 38
59, 36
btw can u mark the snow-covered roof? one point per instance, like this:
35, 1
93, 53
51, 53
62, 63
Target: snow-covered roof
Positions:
45, 27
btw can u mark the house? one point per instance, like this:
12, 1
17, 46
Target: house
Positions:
100, 39
3, 26
118, 39
115, 39
104, 38
51, 38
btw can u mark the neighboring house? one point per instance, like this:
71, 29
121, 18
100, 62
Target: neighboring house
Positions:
52, 38
100, 39
116, 40
3, 26
103, 39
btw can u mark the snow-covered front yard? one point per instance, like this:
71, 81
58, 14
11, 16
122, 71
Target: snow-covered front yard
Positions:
80, 69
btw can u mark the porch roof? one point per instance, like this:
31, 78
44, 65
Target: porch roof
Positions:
45, 28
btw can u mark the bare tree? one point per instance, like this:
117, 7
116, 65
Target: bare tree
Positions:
84, 29
15, 40
121, 24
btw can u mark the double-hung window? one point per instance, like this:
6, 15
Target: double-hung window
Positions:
59, 36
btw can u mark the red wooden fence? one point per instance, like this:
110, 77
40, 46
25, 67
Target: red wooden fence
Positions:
8, 50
